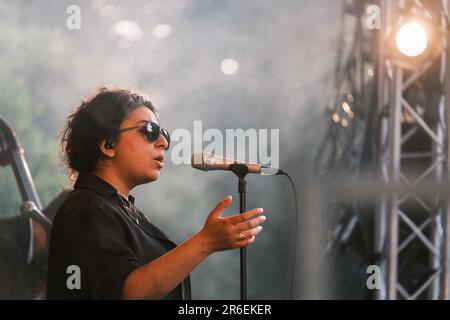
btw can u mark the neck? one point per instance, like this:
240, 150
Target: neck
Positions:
110, 176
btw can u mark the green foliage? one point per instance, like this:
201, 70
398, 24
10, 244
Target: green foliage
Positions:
26, 110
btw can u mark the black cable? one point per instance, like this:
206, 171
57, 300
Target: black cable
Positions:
291, 180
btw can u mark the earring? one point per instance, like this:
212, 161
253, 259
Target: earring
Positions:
108, 145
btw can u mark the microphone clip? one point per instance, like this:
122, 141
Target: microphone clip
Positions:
240, 169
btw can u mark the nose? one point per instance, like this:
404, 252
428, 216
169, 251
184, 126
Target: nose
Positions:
162, 142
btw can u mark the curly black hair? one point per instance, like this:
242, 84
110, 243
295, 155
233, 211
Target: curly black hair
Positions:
96, 119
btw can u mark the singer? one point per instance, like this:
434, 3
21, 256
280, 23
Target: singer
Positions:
101, 245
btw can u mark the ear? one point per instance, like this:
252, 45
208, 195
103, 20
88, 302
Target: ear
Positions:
107, 148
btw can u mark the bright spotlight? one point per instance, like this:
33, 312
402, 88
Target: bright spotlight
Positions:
412, 39
229, 66
162, 31
128, 30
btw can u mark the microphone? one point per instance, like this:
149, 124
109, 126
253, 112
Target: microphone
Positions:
207, 161
29, 209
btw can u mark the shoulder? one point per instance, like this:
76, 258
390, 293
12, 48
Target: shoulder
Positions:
77, 202
84, 208
80, 201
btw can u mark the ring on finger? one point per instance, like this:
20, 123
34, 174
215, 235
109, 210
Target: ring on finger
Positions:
241, 236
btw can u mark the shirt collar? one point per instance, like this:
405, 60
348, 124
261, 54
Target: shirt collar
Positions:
89, 180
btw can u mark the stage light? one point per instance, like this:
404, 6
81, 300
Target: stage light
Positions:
351, 115
411, 39
162, 31
128, 30
346, 107
336, 118
229, 66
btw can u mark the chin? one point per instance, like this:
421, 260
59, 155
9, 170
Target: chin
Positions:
153, 176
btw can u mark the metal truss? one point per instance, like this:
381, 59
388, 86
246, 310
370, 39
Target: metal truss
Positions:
410, 226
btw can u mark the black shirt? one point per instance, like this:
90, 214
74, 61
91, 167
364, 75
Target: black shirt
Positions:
106, 237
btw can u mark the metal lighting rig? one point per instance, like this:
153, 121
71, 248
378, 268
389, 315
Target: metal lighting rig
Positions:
389, 120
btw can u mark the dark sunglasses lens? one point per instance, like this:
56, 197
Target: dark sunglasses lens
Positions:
151, 131
166, 135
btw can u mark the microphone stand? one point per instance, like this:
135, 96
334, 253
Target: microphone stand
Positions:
241, 171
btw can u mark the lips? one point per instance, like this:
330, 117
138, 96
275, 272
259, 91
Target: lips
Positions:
160, 160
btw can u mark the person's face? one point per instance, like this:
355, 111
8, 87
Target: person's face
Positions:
138, 160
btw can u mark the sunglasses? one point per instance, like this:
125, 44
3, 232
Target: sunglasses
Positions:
151, 132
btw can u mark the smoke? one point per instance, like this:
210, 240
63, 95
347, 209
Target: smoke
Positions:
174, 52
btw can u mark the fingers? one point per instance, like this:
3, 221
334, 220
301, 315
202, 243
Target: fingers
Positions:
246, 242
245, 235
247, 231
250, 223
244, 216
221, 206
236, 231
